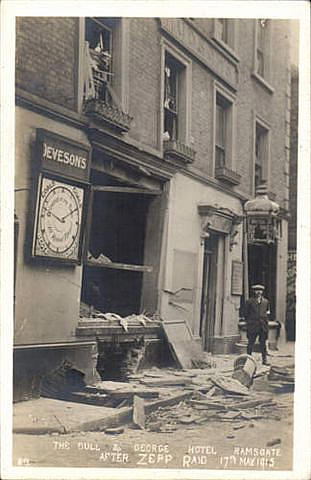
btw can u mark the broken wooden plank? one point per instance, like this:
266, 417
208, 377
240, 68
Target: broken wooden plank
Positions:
121, 266
209, 404
139, 417
125, 415
101, 188
125, 394
169, 380
251, 403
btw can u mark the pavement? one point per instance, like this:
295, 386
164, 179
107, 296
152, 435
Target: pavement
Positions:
47, 416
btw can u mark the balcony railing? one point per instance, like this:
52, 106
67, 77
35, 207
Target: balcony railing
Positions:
227, 175
176, 150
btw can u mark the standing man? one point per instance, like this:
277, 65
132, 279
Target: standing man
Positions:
256, 314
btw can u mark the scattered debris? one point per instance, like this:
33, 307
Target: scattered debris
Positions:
282, 378
230, 385
244, 370
238, 427
275, 441
139, 417
114, 430
165, 381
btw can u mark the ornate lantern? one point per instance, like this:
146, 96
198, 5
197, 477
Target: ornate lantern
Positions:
262, 217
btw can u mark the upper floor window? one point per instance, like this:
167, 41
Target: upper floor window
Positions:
261, 154
176, 107
224, 127
261, 47
262, 52
172, 93
103, 73
99, 50
223, 131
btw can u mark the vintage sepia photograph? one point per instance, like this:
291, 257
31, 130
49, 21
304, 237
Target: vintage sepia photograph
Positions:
153, 302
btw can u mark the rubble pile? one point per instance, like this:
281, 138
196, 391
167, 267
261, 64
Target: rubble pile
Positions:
215, 405
165, 399
282, 378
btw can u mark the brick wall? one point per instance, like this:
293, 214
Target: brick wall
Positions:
145, 79
46, 58
47, 64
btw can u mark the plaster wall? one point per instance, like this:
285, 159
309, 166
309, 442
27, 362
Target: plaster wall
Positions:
47, 295
184, 235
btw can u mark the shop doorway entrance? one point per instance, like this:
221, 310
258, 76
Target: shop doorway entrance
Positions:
212, 289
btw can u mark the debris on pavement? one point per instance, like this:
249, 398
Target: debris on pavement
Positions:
275, 441
114, 430
282, 378
165, 399
230, 385
139, 417
244, 369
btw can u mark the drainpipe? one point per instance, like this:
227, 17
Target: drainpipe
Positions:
245, 262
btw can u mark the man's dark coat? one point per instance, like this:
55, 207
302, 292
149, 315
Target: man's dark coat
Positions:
256, 315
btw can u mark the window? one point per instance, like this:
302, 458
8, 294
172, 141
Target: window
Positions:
261, 154
261, 41
99, 42
262, 54
224, 136
172, 87
122, 251
222, 131
220, 147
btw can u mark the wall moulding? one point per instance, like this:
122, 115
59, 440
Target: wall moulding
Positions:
219, 219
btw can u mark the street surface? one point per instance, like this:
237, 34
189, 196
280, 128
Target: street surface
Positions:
214, 446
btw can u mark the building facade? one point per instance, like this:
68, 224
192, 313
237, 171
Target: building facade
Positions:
138, 142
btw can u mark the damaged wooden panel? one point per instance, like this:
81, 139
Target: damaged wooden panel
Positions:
186, 350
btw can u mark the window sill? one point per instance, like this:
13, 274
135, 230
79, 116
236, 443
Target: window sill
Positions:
227, 175
176, 150
262, 82
108, 114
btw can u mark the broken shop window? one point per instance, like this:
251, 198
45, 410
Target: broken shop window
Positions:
119, 240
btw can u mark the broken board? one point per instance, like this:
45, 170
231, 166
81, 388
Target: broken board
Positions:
185, 349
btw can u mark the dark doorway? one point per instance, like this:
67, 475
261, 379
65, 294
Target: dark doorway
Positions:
209, 287
262, 270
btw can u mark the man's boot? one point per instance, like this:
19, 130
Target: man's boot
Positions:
264, 359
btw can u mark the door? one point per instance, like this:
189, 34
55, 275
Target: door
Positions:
209, 291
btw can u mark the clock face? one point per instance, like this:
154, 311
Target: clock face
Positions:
59, 220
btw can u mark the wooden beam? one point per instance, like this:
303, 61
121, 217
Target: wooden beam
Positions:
138, 191
122, 266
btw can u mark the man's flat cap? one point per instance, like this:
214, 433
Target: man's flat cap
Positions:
258, 287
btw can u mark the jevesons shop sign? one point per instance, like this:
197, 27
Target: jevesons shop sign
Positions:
63, 156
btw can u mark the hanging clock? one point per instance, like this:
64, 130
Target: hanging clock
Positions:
59, 220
